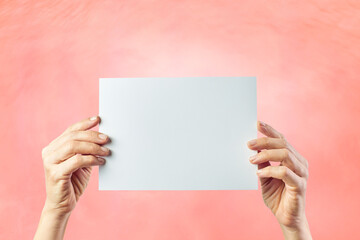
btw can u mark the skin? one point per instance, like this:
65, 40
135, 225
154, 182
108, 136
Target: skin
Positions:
283, 185
68, 161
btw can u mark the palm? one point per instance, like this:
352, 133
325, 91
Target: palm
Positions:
282, 200
79, 180
72, 188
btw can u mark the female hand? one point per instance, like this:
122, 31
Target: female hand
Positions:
68, 160
67, 163
283, 186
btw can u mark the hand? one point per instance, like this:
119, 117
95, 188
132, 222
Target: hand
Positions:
67, 162
283, 186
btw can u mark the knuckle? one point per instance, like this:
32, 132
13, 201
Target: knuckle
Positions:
87, 160
73, 127
44, 151
267, 170
97, 148
71, 135
264, 154
284, 171
91, 159
78, 158
94, 148
82, 134
71, 145
286, 153
266, 142
88, 135
92, 134
70, 128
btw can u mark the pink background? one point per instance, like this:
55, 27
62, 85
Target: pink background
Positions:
306, 56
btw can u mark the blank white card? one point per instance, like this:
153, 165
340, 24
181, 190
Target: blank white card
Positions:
178, 133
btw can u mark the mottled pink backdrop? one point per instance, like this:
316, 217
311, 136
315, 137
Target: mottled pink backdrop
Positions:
306, 55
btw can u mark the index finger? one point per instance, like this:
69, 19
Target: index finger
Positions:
268, 130
83, 125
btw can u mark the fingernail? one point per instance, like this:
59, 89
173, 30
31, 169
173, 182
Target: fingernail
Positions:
102, 136
252, 142
104, 149
259, 172
101, 159
262, 124
93, 118
252, 158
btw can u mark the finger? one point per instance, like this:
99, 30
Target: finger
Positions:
80, 161
283, 173
85, 136
261, 166
284, 156
267, 130
267, 143
303, 160
84, 124
71, 148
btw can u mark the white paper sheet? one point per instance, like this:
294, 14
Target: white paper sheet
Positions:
178, 133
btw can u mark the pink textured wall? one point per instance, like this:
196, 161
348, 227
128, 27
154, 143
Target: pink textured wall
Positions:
306, 55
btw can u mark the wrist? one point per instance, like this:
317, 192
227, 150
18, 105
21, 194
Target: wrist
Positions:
300, 231
52, 223
52, 210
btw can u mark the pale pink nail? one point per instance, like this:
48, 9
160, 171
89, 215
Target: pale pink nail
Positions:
260, 172
253, 158
102, 136
252, 142
104, 149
